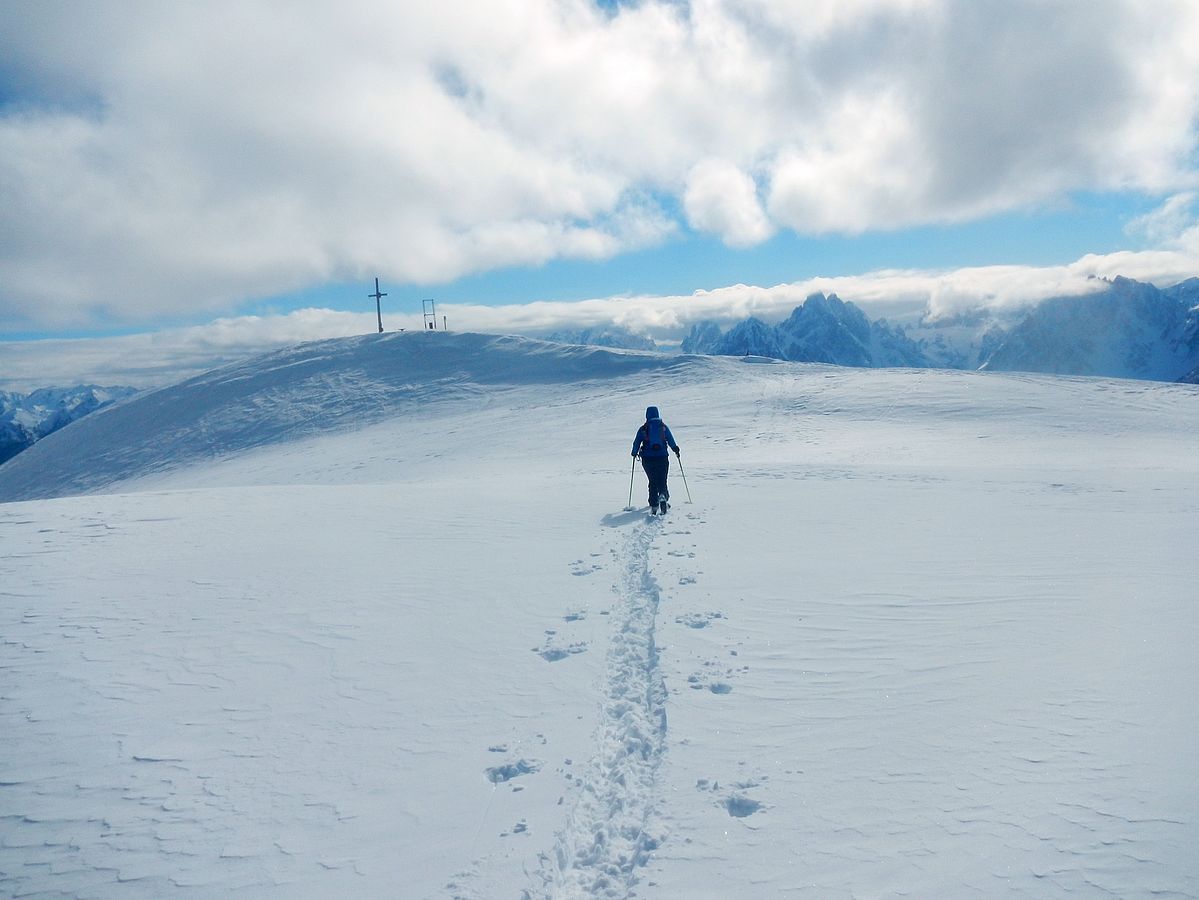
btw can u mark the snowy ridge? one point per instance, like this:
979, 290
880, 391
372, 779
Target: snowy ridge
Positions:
826, 329
303, 391
611, 829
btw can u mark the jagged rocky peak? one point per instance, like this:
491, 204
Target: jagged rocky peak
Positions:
702, 338
991, 339
27, 418
826, 329
1127, 329
1124, 328
1187, 293
753, 337
832, 305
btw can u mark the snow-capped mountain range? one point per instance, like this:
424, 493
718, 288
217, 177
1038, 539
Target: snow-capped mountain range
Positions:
1126, 330
823, 329
1129, 330
27, 418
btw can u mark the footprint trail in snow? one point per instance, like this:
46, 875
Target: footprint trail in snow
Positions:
613, 827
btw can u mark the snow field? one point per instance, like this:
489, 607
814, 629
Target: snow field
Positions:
930, 720
286, 691
921, 633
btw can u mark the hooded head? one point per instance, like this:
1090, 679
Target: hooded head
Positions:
651, 412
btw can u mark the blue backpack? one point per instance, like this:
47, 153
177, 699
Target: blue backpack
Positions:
655, 437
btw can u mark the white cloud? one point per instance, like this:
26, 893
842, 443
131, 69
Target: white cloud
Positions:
1174, 224
169, 159
721, 199
861, 169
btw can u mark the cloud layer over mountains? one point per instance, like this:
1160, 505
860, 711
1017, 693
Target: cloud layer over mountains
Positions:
159, 158
1125, 329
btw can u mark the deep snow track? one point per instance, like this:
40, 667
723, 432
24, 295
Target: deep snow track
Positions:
612, 827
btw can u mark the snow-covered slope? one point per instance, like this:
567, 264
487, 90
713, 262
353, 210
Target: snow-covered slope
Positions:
311, 388
369, 619
753, 337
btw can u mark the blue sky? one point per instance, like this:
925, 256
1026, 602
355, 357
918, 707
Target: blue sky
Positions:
166, 167
690, 262
687, 262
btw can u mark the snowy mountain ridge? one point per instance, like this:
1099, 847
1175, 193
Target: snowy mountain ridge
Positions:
826, 329
1127, 330
301, 391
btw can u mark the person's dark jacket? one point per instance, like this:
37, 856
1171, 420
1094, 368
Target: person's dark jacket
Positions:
653, 439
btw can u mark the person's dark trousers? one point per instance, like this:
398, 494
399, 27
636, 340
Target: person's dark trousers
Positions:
656, 469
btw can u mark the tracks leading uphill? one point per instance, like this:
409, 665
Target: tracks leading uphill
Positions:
612, 827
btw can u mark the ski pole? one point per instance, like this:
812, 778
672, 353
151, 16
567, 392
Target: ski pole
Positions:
632, 471
679, 457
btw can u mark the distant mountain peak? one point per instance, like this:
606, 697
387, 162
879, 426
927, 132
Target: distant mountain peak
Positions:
27, 418
823, 329
1126, 329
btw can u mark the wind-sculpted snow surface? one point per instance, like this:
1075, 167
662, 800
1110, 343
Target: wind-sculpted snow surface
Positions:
925, 634
314, 388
